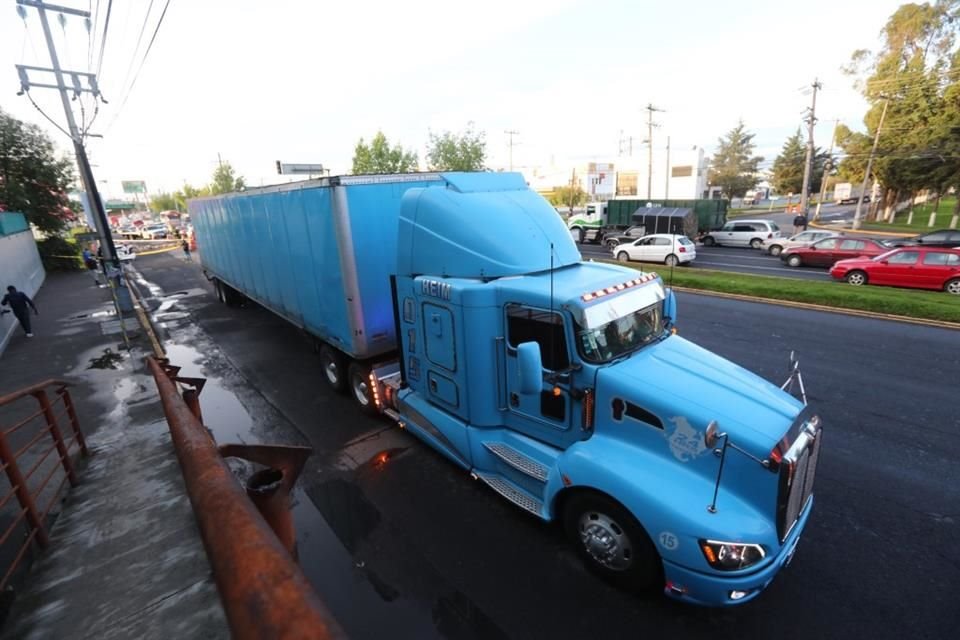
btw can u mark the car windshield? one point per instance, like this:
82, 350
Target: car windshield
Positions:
620, 336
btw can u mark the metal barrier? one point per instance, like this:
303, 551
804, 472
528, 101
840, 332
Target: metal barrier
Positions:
30, 513
263, 591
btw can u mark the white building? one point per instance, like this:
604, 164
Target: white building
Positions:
678, 174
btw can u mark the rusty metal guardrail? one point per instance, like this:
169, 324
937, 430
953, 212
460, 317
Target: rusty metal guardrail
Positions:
50, 414
263, 591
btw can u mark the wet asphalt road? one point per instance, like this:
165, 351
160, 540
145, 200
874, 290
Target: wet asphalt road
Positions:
410, 547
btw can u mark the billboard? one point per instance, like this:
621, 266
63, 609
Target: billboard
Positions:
133, 186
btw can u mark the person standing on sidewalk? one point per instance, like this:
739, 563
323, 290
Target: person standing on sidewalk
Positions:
19, 301
186, 249
91, 264
799, 223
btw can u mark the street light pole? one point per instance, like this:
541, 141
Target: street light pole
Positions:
823, 180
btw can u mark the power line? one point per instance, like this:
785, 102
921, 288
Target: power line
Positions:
93, 32
136, 48
44, 114
103, 40
140, 68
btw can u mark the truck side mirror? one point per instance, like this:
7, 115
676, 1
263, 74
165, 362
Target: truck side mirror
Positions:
529, 368
669, 309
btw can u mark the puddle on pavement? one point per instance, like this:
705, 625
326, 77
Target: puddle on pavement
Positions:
332, 523
109, 359
223, 413
171, 316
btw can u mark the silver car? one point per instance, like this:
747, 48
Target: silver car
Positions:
776, 246
743, 233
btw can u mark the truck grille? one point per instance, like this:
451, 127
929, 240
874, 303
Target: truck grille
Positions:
796, 478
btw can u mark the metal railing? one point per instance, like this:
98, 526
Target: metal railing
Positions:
30, 487
252, 553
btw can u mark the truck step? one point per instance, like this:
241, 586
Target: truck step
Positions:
511, 493
518, 461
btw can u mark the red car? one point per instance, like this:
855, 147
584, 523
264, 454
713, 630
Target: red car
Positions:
915, 267
823, 253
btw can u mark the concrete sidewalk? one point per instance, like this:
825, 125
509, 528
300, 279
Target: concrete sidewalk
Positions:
125, 559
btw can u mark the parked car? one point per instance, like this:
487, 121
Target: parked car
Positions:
671, 250
947, 238
776, 246
614, 238
824, 253
743, 233
914, 267
125, 253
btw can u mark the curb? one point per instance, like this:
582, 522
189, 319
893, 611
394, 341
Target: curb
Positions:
144, 319
863, 232
940, 324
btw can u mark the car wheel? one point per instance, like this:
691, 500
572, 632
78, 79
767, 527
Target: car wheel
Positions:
756, 243
671, 260
776, 250
623, 257
709, 241
856, 278
611, 244
953, 286
794, 261
358, 378
611, 542
333, 364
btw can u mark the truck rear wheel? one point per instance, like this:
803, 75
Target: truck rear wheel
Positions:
612, 543
358, 379
334, 368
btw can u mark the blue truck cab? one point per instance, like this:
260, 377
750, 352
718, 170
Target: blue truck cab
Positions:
564, 386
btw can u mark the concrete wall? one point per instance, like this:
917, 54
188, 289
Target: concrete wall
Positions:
20, 266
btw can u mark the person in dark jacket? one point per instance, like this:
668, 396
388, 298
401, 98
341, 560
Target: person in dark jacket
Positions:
19, 303
799, 223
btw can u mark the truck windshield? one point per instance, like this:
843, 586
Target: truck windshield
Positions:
620, 336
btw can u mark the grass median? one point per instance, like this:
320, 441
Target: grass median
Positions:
928, 305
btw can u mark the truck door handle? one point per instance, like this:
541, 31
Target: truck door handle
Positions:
514, 400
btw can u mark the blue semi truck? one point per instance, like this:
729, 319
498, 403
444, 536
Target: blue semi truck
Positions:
561, 384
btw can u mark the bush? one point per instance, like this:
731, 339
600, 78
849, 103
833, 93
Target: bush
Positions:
59, 254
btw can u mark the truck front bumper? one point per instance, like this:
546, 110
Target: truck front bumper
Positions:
713, 590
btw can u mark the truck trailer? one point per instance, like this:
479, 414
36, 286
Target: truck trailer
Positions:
563, 385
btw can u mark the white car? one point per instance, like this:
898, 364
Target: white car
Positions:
669, 249
154, 232
776, 246
125, 253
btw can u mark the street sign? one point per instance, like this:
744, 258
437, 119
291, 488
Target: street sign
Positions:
133, 186
284, 169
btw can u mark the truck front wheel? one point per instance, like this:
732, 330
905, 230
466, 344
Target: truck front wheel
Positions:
358, 377
333, 365
612, 543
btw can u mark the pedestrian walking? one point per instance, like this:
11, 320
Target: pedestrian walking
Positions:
91, 264
19, 302
186, 249
799, 223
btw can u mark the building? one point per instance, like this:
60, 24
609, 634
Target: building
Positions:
678, 174
19, 263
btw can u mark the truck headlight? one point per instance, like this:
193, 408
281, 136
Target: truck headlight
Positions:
731, 556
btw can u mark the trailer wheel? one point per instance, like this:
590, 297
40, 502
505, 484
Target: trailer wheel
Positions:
334, 369
218, 290
612, 543
358, 379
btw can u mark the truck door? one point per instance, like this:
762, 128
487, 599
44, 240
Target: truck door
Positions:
546, 416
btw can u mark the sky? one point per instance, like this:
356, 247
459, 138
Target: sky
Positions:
253, 82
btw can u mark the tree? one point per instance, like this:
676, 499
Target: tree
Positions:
457, 152
734, 167
33, 180
164, 202
789, 165
188, 192
225, 180
379, 157
568, 196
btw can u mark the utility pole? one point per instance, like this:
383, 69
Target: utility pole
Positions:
650, 125
86, 174
573, 187
826, 166
866, 174
807, 166
666, 187
511, 133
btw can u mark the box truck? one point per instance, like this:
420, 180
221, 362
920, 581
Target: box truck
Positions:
561, 384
